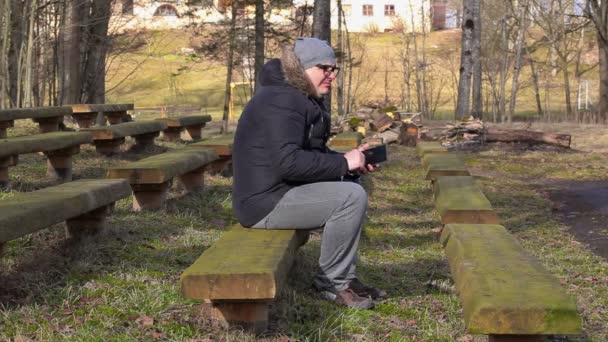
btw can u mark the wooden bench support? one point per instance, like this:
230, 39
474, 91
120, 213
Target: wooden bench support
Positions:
194, 132
4, 164
144, 140
108, 147
514, 338
4, 125
193, 180
85, 120
223, 165
47, 125
59, 163
114, 117
172, 133
88, 224
250, 316
149, 196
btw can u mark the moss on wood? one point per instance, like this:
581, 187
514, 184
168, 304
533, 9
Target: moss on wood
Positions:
459, 200
42, 142
34, 113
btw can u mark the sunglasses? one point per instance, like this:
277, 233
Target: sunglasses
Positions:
328, 69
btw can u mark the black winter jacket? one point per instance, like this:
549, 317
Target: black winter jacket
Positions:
280, 143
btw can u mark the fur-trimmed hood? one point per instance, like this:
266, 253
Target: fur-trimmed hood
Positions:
287, 70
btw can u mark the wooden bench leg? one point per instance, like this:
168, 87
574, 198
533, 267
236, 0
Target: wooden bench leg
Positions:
49, 124
114, 117
108, 147
144, 140
251, 316
59, 163
3, 127
194, 132
149, 196
85, 120
514, 338
193, 180
4, 165
88, 224
222, 165
172, 134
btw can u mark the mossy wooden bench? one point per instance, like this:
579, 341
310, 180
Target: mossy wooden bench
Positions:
459, 200
85, 114
48, 118
150, 178
108, 139
345, 141
191, 124
83, 204
222, 145
436, 165
241, 274
59, 147
428, 147
505, 292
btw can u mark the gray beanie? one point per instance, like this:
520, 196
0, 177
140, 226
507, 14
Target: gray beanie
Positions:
313, 51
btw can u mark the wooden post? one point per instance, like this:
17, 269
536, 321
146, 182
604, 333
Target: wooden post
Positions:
108, 147
144, 140
88, 224
3, 127
4, 164
59, 163
514, 338
114, 117
172, 133
220, 165
149, 196
194, 132
251, 316
47, 125
193, 180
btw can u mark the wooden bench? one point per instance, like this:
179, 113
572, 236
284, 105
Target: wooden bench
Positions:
85, 114
436, 165
192, 124
427, 147
459, 200
150, 178
505, 292
83, 204
107, 139
345, 141
242, 274
59, 147
222, 145
48, 118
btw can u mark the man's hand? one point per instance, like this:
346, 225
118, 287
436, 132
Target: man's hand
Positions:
356, 160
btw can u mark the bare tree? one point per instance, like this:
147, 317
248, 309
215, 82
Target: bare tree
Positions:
259, 41
466, 59
597, 11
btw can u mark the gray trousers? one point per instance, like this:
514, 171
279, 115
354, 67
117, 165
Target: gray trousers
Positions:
340, 207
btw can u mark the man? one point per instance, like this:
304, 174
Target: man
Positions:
286, 178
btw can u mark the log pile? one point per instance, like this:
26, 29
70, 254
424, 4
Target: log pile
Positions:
472, 132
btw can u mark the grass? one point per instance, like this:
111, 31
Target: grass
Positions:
125, 285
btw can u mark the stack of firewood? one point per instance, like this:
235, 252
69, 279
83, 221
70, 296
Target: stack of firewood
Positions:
471, 131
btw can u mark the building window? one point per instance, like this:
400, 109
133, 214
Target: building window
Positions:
389, 10
347, 10
166, 11
368, 10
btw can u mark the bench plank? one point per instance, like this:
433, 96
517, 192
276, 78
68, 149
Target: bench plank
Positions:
126, 129
163, 167
34, 113
186, 120
221, 144
256, 272
503, 289
42, 142
425, 147
459, 200
96, 108
28, 212
436, 165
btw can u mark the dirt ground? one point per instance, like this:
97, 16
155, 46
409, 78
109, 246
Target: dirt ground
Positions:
581, 205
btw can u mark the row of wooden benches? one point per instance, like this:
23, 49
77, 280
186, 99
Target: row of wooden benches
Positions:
49, 118
84, 204
59, 147
505, 292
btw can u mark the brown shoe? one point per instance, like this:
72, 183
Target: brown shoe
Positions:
349, 298
366, 291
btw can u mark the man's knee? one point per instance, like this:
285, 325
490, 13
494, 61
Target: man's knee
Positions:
356, 195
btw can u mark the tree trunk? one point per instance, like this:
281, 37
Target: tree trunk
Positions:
321, 24
534, 75
14, 55
477, 108
97, 45
340, 48
259, 42
603, 101
503, 72
520, 135
69, 64
521, 34
229, 67
417, 61
425, 96
466, 61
